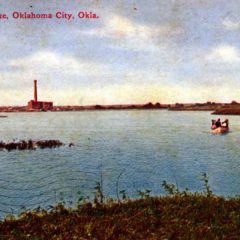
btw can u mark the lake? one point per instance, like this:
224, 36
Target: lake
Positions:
130, 150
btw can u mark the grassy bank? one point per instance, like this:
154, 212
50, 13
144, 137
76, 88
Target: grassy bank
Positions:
169, 217
176, 216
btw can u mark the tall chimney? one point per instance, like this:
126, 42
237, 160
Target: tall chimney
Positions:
35, 90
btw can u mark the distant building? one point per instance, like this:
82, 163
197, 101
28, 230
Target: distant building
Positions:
39, 105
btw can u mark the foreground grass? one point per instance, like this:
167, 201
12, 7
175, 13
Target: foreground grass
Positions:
180, 216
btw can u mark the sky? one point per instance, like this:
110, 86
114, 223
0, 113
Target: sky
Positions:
137, 51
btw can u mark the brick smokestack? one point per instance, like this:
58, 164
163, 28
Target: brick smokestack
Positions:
35, 90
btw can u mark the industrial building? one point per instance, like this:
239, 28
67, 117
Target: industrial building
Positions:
39, 105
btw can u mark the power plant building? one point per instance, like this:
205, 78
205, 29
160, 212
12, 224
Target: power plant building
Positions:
39, 105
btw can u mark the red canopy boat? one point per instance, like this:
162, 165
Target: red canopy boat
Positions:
220, 129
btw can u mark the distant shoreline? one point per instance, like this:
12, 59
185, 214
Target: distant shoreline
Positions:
232, 108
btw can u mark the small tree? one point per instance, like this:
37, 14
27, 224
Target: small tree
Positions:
234, 102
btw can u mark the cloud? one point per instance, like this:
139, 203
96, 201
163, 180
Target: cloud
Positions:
127, 34
121, 26
53, 70
230, 24
49, 61
224, 54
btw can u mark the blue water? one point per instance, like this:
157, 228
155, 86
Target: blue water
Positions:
140, 148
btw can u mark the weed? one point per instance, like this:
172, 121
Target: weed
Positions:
205, 180
98, 195
170, 188
124, 195
144, 194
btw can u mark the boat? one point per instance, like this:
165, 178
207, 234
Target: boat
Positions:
220, 129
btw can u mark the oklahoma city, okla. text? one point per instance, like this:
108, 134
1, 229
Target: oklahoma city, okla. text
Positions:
57, 15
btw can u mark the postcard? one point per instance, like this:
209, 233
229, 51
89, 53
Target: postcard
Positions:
119, 119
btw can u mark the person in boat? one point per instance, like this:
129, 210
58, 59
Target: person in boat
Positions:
213, 124
225, 123
218, 123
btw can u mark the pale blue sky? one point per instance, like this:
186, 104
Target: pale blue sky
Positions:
136, 52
